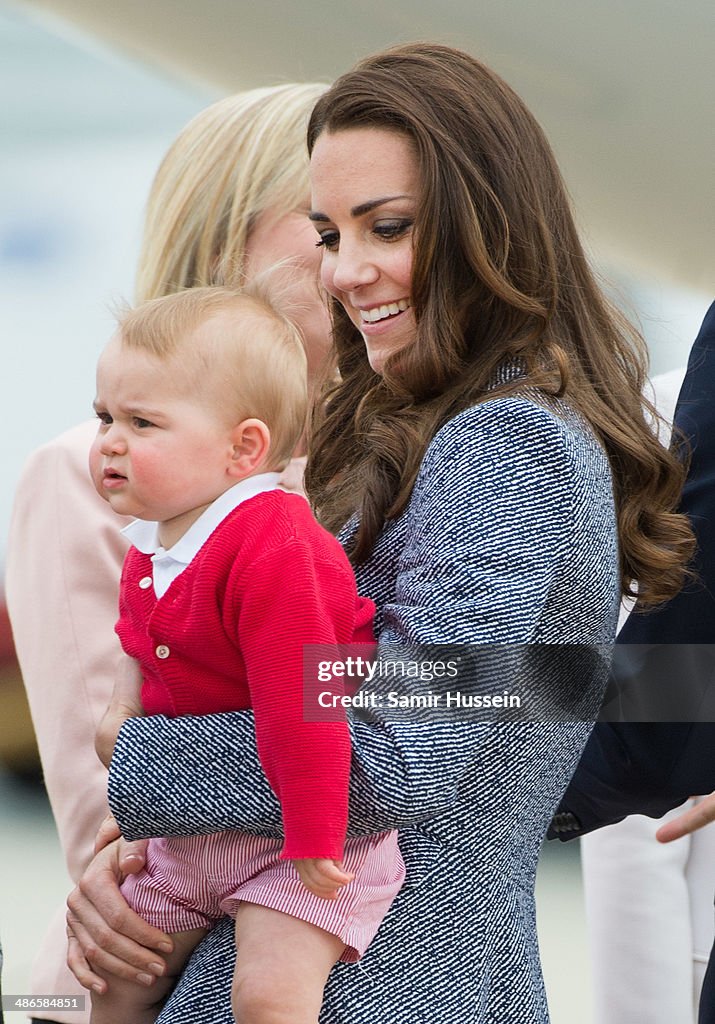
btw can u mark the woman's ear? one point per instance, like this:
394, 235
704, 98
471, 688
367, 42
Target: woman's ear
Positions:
250, 444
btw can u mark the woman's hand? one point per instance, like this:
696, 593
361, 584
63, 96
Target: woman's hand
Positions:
103, 932
703, 813
107, 832
132, 854
125, 703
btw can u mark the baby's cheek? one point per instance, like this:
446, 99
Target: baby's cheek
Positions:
153, 469
160, 481
95, 468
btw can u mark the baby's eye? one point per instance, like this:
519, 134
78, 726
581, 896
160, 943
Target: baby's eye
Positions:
141, 423
104, 418
329, 239
392, 229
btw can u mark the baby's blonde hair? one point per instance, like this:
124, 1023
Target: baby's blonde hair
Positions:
235, 350
237, 159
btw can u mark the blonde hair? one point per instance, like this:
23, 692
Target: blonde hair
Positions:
236, 159
236, 350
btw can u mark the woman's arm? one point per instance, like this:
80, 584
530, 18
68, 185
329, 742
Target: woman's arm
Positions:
490, 521
457, 574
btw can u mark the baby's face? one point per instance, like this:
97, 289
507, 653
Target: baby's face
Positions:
161, 452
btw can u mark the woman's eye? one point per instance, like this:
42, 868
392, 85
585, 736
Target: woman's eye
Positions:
392, 229
328, 239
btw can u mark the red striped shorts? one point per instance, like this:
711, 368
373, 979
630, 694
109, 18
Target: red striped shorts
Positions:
193, 881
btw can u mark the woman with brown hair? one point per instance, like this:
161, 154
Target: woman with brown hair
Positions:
487, 457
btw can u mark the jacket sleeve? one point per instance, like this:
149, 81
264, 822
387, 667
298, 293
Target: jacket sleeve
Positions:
648, 767
468, 574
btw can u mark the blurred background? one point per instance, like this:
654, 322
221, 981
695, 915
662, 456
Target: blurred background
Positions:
92, 94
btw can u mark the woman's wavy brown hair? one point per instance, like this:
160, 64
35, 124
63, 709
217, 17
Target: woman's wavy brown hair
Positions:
499, 274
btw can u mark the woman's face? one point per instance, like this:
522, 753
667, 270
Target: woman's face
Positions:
365, 194
292, 238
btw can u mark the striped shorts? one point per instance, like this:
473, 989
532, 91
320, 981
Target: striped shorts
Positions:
193, 881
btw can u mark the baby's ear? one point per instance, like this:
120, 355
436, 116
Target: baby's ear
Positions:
250, 444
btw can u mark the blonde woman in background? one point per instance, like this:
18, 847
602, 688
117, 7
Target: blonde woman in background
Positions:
232, 188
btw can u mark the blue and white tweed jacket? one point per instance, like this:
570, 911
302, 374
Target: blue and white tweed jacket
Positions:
509, 538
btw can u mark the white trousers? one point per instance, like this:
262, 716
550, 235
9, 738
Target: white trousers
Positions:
649, 909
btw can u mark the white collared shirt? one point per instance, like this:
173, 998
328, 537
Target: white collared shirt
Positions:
167, 565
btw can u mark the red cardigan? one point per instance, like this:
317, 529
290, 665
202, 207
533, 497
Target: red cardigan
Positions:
229, 633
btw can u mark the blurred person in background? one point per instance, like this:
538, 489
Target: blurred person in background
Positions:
233, 191
652, 925
648, 904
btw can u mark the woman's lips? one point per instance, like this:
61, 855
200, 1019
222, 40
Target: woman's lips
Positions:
379, 319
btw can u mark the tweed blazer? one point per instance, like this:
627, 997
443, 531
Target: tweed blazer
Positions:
509, 538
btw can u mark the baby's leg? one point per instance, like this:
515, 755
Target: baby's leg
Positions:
126, 1002
281, 967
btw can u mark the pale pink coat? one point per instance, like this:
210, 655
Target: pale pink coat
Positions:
63, 562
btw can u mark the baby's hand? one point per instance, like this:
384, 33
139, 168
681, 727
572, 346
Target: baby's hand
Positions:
322, 877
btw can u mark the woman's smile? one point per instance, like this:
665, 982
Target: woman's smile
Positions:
365, 193
387, 313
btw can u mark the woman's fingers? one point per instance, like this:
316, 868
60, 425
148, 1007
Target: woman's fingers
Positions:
110, 937
101, 948
132, 855
79, 965
703, 813
107, 832
82, 968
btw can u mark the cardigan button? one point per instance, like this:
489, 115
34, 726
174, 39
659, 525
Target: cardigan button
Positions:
162, 651
145, 582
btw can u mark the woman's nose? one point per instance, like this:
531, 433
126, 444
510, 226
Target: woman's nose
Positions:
353, 269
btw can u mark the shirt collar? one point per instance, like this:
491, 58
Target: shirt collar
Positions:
144, 535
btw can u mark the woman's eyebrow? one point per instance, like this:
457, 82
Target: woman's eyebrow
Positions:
360, 209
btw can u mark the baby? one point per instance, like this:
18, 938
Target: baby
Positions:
201, 399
